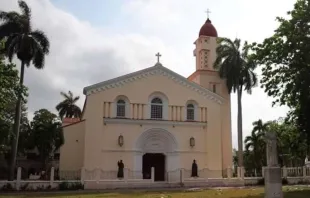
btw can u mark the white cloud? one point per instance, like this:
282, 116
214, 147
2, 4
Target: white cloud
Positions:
82, 54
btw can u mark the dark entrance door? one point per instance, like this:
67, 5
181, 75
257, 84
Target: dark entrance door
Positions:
156, 160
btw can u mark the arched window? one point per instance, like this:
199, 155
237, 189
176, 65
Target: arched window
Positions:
156, 108
121, 108
190, 112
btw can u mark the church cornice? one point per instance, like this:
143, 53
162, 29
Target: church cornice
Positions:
158, 69
153, 122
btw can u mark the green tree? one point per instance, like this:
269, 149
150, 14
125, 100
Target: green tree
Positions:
46, 135
29, 46
68, 108
235, 66
285, 60
9, 92
291, 144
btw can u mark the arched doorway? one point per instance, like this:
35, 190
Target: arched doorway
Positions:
158, 148
156, 160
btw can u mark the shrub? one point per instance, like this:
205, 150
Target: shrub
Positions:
71, 186
284, 181
261, 182
7, 187
63, 186
24, 187
40, 188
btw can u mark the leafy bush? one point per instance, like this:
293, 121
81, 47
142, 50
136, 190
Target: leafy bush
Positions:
24, 187
303, 182
71, 186
7, 187
261, 182
63, 186
284, 181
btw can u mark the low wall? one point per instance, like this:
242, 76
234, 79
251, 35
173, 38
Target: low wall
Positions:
98, 179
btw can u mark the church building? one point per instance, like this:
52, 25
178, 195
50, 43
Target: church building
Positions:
155, 118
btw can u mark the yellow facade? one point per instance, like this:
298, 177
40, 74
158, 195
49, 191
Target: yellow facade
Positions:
94, 142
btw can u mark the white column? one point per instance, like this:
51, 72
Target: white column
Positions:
83, 175
182, 175
153, 174
242, 170
147, 113
52, 176
284, 171
97, 175
138, 161
228, 172
18, 177
172, 161
126, 174
263, 171
238, 172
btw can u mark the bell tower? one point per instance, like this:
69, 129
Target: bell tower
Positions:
205, 54
205, 51
208, 77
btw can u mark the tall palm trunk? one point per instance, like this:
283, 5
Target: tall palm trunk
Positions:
240, 138
16, 126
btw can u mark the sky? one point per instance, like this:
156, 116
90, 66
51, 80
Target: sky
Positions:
95, 40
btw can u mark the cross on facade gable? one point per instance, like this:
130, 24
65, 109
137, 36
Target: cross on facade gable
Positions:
158, 56
208, 12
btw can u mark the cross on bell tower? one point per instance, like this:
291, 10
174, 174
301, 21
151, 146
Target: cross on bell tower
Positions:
208, 12
158, 56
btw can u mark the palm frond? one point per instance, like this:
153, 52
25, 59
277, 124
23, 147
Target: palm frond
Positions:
38, 59
62, 113
26, 11
9, 16
75, 99
237, 44
70, 94
250, 80
77, 112
245, 50
64, 95
248, 139
12, 47
42, 39
59, 106
7, 28
248, 146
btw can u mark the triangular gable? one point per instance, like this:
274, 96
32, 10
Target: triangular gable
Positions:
158, 69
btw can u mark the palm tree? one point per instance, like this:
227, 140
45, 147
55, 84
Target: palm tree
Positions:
67, 108
237, 69
256, 142
29, 46
260, 127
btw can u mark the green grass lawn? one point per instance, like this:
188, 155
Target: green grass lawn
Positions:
289, 192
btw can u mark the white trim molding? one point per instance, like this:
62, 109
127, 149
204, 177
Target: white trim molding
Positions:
154, 122
156, 140
158, 69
